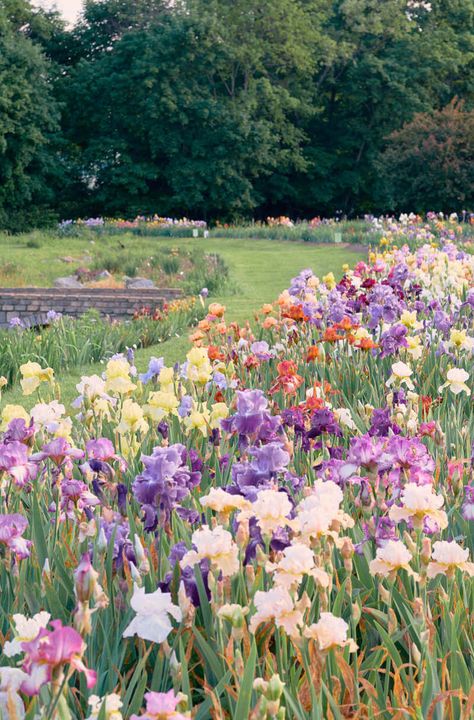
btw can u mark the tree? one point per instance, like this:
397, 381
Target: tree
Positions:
28, 117
228, 108
385, 64
429, 163
184, 115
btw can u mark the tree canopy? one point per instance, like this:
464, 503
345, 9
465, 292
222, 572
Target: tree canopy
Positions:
231, 109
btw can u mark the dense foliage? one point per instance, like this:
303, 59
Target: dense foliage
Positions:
28, 117
278, 527
431, 159
219, 109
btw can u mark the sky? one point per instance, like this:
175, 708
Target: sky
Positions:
69, 8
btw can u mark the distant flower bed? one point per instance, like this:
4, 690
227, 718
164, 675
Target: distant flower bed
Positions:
411, 229
369, 230
141, 225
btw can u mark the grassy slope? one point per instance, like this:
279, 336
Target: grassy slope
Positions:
259, 270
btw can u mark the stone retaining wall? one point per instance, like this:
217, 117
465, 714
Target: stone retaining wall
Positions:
31, 305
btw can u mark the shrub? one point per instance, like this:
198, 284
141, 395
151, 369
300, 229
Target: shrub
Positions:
170, 265
429, 163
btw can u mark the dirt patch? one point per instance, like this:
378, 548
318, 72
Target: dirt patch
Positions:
110, 282
355, 247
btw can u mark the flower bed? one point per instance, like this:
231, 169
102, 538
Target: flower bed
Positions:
278, 527
66, 342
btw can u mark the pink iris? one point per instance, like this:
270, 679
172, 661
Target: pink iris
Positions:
59, 451
50, 651
103, 449
15, 461
100, 449
161, 706
12, 528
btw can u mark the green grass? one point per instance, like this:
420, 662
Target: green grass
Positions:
259, 270
37, 259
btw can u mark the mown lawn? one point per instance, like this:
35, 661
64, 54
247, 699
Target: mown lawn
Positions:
258, 269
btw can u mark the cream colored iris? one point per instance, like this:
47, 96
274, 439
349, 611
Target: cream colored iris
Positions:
330, 632
456, 381
131, 419
420, 502
33, 375
117, 376
448, 557
13, 412
160, 405
390, 558
217, 546
199, 368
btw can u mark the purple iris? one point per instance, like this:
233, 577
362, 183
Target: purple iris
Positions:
261, 350
220, 380
379, 530
384, 305
250, 477
185, 406
442, 322
251, 410
100, 449
323, 421
59, 451
299, 283
293, 417
20, 431
270, 458
252, 418
468, 503
381, 424
407, 457
337, 309
280, 540
188, 575
16, 322
339, 471
365, 452
52, 316
164, 483
101, 452
155, 366
75, 495
118, 529
247, 480
399, 273
392, 340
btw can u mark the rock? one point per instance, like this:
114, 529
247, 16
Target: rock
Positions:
139, 283
69, 282
104, 275
67, 259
